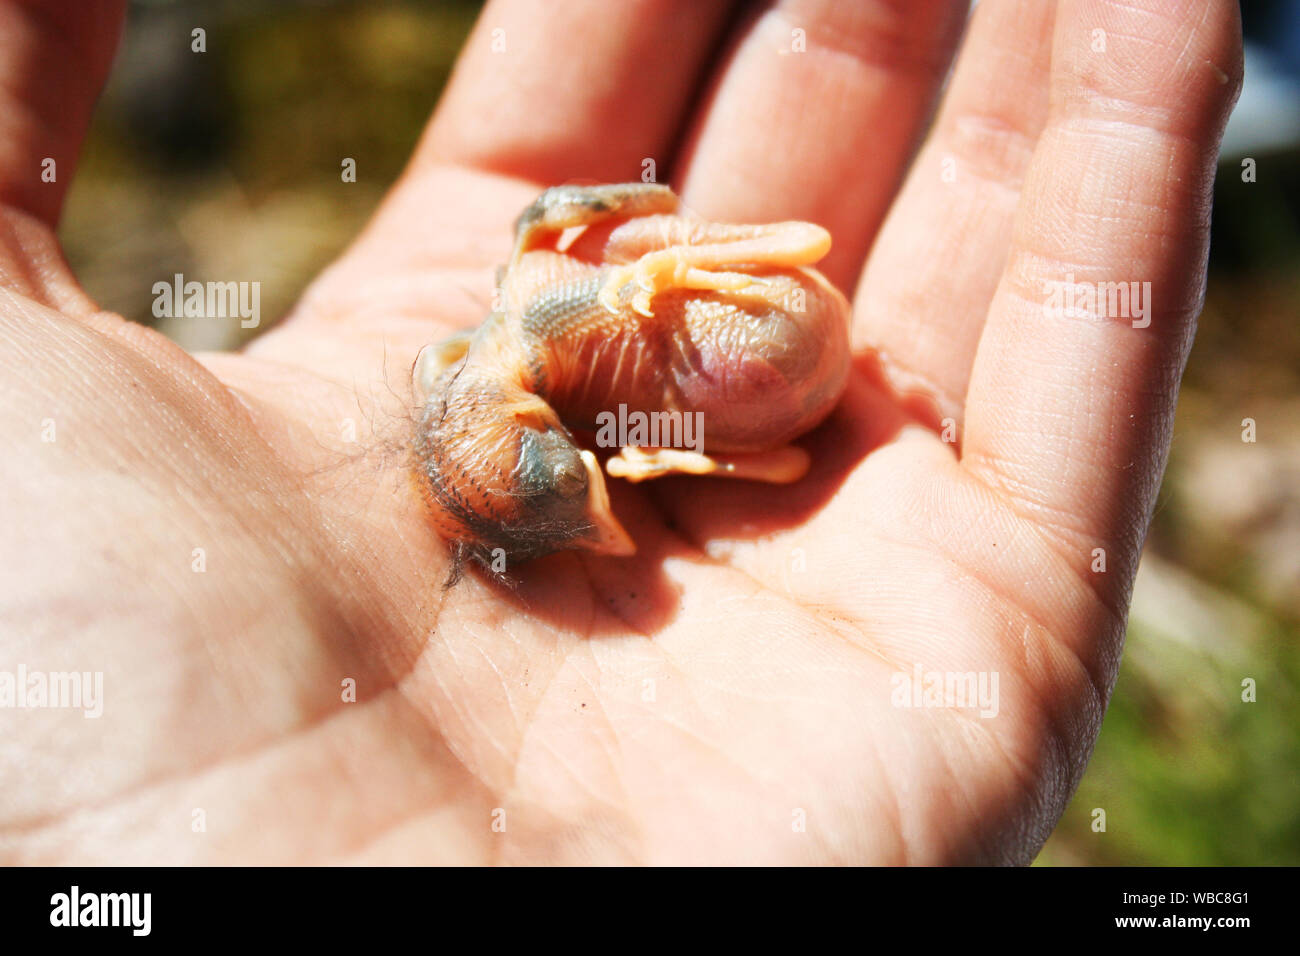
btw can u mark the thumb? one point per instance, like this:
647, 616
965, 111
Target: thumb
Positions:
54, 57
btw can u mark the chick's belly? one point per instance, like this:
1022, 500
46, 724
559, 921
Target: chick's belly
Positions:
754, 376
762, 375
745, 404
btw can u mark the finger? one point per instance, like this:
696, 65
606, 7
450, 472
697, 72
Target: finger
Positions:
584, 89
54, 57
1071, 403
933, 270
814, 114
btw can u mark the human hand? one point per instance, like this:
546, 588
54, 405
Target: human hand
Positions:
729, 694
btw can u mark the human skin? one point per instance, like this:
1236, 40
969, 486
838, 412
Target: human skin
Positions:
724, 695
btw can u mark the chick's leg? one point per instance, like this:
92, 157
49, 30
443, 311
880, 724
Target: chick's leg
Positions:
663, 253
779, 466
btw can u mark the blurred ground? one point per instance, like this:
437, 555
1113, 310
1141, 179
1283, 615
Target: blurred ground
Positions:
227, 166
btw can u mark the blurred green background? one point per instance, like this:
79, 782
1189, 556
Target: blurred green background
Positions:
227, 165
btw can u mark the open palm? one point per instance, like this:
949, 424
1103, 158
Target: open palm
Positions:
233, 539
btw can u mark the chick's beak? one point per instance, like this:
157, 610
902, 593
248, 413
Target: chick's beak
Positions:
607, 535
